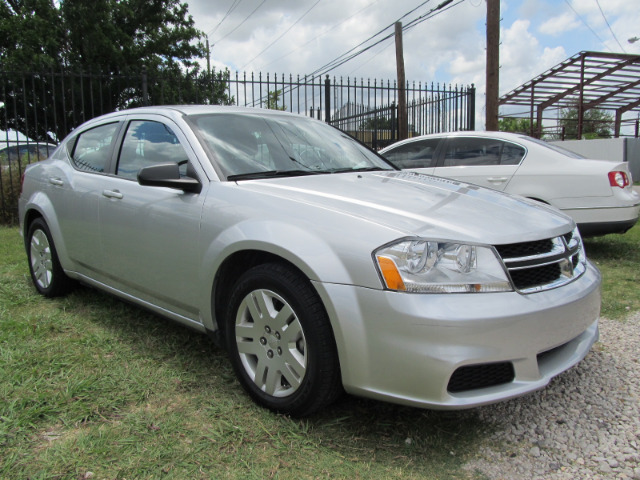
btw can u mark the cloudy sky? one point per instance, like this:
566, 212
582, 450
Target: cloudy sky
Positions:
301, 36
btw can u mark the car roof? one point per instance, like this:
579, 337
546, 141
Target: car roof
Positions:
509, 136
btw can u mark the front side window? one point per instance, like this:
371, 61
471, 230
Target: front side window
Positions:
148, 143
464, 151
92, 148
420, 154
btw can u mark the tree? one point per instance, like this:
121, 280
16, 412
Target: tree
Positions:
595, 124
516, 125
377, 123
272, 101
92, 57
106, 36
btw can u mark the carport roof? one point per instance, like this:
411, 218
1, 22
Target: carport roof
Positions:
608, 81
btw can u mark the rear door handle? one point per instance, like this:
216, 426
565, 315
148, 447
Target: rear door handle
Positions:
112, 194
56, 181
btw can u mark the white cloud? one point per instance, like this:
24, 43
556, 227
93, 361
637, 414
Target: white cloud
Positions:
449, 48
563, 23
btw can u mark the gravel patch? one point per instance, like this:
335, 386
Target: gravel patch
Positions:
585, 424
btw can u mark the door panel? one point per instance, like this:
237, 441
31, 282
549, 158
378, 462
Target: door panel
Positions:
150, 235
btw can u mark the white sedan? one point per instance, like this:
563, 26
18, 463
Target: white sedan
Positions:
597, 194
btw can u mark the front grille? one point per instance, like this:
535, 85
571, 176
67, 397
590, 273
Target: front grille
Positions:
535, 276
515, 250
472, 377
544, 264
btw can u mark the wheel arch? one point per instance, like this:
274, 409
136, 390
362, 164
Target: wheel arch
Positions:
232, 268
40, 206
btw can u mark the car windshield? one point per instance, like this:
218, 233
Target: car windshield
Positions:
555, 148
250, 146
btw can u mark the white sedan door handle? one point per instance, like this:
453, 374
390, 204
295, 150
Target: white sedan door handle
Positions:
112, 194
56, 181
497, 179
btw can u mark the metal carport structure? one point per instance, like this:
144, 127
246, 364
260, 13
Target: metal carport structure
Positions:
606, 81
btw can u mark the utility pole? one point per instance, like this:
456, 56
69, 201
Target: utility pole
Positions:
493, 63
208, 58
403, 122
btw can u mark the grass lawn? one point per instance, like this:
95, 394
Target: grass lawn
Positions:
91, 387
618, 258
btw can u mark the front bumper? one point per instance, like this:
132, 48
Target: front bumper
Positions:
404, 348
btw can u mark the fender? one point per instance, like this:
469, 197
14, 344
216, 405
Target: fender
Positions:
285, 240
41, 203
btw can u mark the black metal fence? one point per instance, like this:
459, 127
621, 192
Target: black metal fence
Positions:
38, 109
365, 109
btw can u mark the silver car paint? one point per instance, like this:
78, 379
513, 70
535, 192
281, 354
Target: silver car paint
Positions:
163, 248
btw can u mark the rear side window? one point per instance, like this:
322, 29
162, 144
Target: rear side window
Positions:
92, 148
147, 143
420, 154
481, 151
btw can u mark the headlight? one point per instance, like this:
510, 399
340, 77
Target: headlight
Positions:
426, 266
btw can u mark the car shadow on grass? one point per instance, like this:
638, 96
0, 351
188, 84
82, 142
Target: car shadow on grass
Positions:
360, 430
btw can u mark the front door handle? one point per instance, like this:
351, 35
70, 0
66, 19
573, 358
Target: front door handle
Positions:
112, 194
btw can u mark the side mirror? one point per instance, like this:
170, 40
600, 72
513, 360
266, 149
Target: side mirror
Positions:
168, 175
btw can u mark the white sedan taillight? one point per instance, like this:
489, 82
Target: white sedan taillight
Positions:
619, 179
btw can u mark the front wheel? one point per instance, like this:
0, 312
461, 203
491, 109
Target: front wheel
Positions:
280, 341
46, 272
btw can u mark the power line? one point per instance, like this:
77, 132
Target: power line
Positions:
240, 24
610, 29
282, 35
338, 59
587, 25
345, 57
321, 34
231, 9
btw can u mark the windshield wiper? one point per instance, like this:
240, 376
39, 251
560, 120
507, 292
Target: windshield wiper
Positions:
362, 169
272, 174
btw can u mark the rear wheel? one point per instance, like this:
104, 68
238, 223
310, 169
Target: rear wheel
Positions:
280, 341
46, 272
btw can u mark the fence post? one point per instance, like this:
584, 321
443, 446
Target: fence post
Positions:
145, 86
327, 99
394, 124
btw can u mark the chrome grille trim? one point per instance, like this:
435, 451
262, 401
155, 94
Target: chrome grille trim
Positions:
551, 263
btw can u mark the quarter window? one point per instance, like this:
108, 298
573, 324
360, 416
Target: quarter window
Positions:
92, 148
148, 143
419, 154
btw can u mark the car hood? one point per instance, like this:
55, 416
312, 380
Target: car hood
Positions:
421, 205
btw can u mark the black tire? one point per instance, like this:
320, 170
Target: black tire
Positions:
280, 341
46, 272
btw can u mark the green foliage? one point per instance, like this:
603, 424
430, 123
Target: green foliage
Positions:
595, 124
516, 125
77, 59
106, 36
377, 123
273, 102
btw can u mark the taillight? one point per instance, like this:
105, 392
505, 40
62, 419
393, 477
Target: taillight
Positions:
618, 179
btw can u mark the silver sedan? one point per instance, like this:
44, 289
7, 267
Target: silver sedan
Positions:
316, 263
